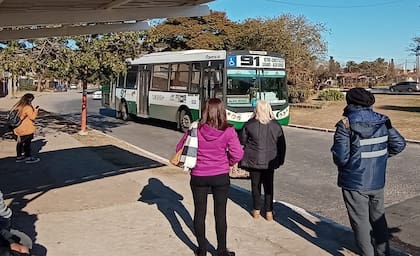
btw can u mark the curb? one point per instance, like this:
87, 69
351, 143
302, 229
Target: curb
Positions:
332, 131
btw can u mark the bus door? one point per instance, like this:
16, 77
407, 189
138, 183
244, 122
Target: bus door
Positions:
144, 82
212, 84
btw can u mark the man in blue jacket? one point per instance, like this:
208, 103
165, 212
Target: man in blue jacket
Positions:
363, 142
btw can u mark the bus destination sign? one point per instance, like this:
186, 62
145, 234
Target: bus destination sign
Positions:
255, 61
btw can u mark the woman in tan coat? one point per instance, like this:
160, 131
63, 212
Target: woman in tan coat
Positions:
25, 131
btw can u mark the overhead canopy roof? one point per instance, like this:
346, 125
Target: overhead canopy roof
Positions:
46, 18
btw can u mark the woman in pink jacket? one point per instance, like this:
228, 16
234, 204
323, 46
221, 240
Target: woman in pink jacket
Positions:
218, 148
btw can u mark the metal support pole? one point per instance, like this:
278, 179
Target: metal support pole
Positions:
83, 130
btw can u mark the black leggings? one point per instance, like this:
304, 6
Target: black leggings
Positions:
264, 177
219, 187
24, 145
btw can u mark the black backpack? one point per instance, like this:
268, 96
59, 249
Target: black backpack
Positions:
13, 119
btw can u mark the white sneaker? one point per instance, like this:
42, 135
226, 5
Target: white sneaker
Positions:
32, 160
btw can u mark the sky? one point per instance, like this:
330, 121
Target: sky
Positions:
357, 30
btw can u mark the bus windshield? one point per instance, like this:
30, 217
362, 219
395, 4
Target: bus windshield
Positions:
245, 87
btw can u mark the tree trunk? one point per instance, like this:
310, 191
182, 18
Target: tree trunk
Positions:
14, 87
9, 87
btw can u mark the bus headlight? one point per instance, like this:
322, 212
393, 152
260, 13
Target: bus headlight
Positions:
235, 117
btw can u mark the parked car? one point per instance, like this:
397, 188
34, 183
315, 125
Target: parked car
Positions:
73, 86
97, 95
407, 86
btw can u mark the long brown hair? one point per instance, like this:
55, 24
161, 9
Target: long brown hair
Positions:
214, 114
26, 100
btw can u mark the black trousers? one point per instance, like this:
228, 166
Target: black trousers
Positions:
219, 187
264, 178
23, 146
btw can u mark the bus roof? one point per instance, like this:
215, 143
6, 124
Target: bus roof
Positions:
179, 56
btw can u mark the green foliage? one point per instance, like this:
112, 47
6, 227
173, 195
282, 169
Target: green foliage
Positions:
26, 85
331, 95
214, 31
299, 40
13, 58
97, 57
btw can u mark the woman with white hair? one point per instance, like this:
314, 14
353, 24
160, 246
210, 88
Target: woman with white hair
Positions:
264, 151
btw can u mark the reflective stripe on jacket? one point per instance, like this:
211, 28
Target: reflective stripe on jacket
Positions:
361, 150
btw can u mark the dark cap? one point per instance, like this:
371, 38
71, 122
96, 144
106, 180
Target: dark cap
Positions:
359, 96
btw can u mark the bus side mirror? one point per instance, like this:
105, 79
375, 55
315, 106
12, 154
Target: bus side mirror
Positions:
229, 84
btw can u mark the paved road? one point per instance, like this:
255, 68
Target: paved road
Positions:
306, 180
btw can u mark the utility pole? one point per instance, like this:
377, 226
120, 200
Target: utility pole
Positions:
418, 62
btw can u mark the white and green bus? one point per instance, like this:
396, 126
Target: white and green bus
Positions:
173, 86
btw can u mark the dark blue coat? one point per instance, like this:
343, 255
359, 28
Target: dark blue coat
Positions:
362, 146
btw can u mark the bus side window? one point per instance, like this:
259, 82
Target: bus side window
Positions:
131, 80
160, 77
195, 78
121, 81
179, 77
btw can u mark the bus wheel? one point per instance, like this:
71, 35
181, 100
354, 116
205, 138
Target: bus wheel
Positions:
185, 120
124, 112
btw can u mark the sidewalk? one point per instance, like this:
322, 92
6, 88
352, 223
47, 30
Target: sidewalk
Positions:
96, 195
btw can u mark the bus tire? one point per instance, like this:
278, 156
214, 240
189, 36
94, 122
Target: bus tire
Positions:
184, 120
124, 112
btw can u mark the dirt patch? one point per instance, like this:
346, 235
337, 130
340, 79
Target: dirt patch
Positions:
403, 110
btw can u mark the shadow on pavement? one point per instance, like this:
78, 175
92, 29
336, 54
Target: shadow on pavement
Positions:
169, 204
25, 221
57, 169
146, 121
327, 237
400, 108
67, 167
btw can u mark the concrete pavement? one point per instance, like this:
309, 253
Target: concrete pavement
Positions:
96, 195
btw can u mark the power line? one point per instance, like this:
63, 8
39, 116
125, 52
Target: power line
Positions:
336, 6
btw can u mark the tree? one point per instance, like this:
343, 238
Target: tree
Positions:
50, 59
415, 49
14, 59
299, 40
214, 31
351, 67
333, 68
97, 57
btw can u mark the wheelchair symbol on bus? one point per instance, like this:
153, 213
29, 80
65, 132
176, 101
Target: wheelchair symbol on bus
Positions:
231, 61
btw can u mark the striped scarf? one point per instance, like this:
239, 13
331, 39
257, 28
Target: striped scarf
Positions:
5, 212
189, 151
